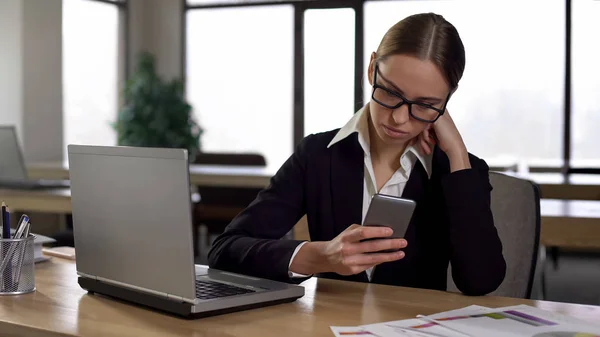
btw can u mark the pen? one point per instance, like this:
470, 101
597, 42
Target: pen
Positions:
23, 223
22, 254
7, 274
2, 236
5, 224
8, 220
21, 226
431, 320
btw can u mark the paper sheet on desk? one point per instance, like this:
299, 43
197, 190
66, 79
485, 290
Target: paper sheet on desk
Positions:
521, 320
406, 328
419, 328
350, 331
514, 321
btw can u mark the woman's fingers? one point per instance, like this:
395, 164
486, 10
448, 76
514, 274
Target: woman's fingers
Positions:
372, 246
425, 146
367, 232
372, 259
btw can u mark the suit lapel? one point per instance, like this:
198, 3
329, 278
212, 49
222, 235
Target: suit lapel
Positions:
415, 186
347, 174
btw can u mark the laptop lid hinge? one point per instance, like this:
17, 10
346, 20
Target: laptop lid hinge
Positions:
132, 287
141, 289
181, 299
86, 275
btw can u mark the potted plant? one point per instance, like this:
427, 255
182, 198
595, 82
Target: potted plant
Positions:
156, 113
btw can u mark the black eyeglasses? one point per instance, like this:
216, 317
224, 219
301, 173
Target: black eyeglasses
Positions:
392, 100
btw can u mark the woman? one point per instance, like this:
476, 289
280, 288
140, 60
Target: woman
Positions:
402, 143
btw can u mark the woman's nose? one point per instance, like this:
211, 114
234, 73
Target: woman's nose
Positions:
401, 114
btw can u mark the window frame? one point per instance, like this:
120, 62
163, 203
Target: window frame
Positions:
300, 6
123, 52
123, 48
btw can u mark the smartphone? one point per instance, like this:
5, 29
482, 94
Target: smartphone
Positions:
390, 211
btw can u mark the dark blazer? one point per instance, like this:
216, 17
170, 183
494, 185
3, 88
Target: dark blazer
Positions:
452, 221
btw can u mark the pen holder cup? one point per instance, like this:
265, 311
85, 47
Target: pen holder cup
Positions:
17, 266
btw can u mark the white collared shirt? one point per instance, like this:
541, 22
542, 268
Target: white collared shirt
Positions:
394, 186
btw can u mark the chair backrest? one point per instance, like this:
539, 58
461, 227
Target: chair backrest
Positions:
516, 211
237, 159
230, 196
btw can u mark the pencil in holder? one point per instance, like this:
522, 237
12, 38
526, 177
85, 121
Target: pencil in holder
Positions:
17, 266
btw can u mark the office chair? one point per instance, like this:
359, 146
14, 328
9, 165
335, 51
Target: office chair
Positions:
515, 205
219, 205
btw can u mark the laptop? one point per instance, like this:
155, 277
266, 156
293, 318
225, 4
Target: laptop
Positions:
132, 227
13, 173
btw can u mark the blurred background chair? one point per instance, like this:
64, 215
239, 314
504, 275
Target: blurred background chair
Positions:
219, 205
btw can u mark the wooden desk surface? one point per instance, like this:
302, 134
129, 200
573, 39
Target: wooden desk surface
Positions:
50, 200
60, 307
208, 175
576, 186
570, 223
552, 185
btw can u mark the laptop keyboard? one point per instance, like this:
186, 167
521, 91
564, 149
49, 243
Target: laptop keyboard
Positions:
206, 290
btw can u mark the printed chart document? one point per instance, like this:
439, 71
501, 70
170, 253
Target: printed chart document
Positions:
475, 321
419, 328
517, 321
406, 328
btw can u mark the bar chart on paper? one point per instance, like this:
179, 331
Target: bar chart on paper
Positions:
519, 321
565, 334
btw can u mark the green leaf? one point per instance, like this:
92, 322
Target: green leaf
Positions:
155, 113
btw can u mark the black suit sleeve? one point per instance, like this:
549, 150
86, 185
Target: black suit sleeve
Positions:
252, 243
478, 266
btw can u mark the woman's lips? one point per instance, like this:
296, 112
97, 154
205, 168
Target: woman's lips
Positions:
394, 133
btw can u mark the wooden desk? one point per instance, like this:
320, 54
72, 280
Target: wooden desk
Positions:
207, 175
570, 224
50, 201
575, 187
61, 308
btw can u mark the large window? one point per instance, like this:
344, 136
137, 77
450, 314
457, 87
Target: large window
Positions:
240, 79
90, 71
328, 69
509, 104
585, 138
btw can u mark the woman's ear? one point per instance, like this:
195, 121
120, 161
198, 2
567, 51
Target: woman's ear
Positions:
371, 67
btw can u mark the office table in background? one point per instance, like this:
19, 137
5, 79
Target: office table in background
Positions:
45, 200
571, 224
207, 175
573, 187
553, 185
61, 308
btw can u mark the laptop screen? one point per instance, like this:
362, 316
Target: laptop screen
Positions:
11, 159
132, 217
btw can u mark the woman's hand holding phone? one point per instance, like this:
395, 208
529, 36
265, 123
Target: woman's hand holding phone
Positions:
348, 254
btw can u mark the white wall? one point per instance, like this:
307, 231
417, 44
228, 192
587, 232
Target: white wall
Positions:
10, 63
30, 75
155, 26
42, 80
31, 64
